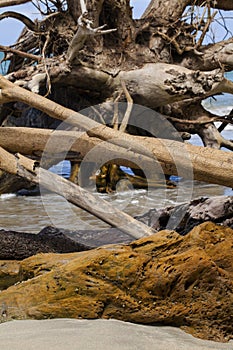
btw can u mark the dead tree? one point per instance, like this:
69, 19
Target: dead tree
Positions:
82, 54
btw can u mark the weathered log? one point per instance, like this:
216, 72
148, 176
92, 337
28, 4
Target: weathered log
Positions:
153, 85
26, 168
134, 54
206, 165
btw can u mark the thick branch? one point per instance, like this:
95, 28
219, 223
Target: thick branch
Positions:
173, 156
20, 53
168, 11
154, 85
31, 141
5, 3
211, 137
159, 84
213, 56
26, 168
22, 18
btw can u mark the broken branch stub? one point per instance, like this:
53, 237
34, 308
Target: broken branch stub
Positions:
84, 30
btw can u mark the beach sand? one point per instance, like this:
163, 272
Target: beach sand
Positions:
71, 334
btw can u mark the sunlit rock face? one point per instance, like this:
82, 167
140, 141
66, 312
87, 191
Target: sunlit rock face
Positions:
166, 279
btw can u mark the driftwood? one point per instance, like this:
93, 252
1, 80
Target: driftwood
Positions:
175, 157
26, 168
18, 245
161, 57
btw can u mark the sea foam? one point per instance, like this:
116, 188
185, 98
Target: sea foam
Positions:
7, 195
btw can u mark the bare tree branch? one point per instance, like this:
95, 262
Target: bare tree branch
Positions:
170, 9
24, 19
20, 53
84, 30
5, 3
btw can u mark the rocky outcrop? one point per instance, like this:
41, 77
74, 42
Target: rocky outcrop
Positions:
21, 245
182, 218
166, 279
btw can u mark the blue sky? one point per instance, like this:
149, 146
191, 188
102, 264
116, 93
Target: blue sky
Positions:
11, 28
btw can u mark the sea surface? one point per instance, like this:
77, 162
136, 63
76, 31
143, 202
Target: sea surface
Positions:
32, 213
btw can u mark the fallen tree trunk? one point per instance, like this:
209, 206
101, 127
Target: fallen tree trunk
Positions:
26, 168
186, 160
160, 58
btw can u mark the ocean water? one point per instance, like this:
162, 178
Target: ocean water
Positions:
3, 65
30, 214
220, 104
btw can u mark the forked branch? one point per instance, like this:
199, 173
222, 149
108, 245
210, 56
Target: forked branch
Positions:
84, 30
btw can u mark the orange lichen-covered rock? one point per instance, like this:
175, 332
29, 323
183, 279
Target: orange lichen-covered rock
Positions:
165, 279
9, 273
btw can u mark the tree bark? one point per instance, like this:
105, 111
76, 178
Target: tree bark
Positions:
169, 10
160, 59
221, 54
4, 3
204, 166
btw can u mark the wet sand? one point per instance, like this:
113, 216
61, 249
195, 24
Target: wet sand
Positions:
70, 334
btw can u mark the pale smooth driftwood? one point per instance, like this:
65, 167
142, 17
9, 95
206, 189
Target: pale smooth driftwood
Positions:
175, 157
209, 165
26, 168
